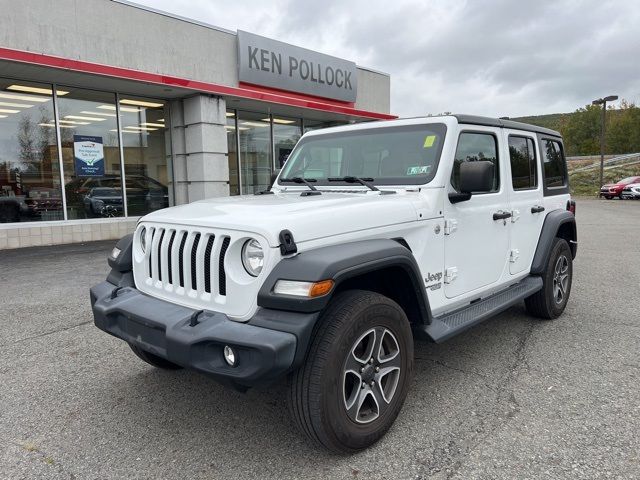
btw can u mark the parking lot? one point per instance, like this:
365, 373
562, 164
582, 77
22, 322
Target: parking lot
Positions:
512, 398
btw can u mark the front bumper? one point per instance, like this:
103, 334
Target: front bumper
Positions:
267, 347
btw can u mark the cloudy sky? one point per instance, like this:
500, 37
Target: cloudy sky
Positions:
489, 57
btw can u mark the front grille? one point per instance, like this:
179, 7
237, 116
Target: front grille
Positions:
189, 260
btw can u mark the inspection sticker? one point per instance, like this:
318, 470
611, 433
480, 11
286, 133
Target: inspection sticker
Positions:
417, 170
429, 140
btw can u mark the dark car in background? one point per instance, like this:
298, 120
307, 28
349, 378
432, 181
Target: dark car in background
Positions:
40, 200
612, 190
103, 202
144, 194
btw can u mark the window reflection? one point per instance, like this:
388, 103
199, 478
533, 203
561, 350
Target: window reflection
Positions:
255, 151
144, 137
286, 133
234, 184
29, 170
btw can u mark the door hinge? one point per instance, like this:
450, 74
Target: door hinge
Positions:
450, 226
515, 215
514, 255
450, 274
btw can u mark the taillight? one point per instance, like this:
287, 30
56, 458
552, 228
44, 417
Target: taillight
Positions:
571, 206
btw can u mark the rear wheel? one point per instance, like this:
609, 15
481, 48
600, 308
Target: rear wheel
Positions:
551, 301
608, 197
357, 374
154, 360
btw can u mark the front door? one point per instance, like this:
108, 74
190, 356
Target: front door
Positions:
525, 192
476, 245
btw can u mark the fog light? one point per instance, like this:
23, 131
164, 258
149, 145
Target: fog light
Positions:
230, 356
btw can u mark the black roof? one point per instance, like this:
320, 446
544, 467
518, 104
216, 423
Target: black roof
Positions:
504, 123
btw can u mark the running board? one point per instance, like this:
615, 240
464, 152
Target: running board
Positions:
446, 326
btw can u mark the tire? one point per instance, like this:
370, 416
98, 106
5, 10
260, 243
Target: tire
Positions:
608, 197
550, 302
355, 324
154, 360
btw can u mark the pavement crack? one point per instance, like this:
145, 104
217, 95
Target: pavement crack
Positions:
40, 335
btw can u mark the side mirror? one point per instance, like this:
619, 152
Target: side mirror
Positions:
475, 177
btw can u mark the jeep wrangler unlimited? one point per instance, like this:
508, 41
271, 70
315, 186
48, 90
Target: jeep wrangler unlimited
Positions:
371, 234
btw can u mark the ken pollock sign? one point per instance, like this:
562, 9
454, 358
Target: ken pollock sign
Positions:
268, 62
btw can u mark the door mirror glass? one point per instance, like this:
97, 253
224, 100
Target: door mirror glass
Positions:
477, 177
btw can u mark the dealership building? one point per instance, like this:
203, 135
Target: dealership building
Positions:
110, 110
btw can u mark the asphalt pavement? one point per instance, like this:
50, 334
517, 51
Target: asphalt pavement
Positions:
512, 398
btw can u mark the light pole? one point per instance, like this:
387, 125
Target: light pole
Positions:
603, 102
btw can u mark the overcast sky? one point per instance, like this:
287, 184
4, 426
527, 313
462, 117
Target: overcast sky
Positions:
487, 57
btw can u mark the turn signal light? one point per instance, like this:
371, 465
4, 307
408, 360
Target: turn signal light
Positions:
319, 289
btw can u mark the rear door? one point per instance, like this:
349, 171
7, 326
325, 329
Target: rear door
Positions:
526, 198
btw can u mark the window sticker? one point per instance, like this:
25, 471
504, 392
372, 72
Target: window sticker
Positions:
429, 141
418, 170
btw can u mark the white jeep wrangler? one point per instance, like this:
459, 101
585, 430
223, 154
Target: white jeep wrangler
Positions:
372, 234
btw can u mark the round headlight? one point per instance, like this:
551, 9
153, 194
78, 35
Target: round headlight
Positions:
252, 257
143, 239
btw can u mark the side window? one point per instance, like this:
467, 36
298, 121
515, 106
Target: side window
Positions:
554, 166
522, 154
472, 147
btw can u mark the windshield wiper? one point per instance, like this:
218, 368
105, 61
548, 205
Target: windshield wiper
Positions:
362, 181
314, 190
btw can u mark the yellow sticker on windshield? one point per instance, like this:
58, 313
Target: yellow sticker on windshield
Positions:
428, 141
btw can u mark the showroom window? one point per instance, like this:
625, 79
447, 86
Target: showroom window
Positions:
259, 143
90, 153
30, 187
144, 137
77, 131
232, 149
286, 133
254, 132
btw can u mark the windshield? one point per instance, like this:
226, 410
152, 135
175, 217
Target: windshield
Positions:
390, 155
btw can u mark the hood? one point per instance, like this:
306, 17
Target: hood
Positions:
308, 218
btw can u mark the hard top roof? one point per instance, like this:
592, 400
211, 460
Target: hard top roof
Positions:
504, 123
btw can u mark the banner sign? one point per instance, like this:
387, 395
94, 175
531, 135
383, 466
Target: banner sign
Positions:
268, 62
89, 156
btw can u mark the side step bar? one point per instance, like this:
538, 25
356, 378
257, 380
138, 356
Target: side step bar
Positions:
449, 324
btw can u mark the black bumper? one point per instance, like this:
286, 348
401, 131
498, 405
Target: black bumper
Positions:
267, 347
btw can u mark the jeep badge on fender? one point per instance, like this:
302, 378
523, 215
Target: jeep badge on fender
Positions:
325, 277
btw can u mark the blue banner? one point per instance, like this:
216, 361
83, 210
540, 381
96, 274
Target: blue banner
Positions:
88, 153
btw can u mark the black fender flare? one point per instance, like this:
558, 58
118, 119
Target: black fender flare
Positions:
339, 263
553, 222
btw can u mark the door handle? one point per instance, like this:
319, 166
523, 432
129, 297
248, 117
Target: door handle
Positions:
537, 209
500, 215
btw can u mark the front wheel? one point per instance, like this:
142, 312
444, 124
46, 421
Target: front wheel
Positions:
550, 302
355, 379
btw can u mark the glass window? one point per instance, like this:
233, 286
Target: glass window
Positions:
286, 133
391, 156
145, 136
91, 153
255, 151
522, 154
232, 148
473, 146
554, 165
30, 187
